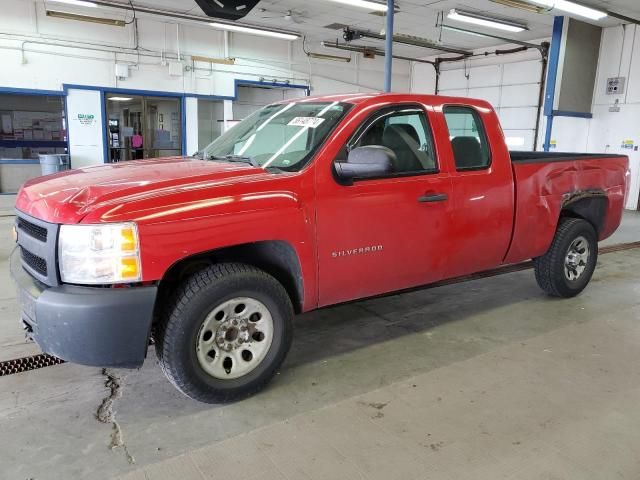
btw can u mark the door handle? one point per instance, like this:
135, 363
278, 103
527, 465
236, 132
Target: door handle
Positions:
433, 197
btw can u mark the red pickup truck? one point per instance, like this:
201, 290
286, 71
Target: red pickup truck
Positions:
305, 203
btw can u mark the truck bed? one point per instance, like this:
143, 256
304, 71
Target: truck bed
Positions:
536, 157
544, 182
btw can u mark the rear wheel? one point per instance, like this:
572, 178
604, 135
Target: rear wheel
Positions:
567, 267
225, 333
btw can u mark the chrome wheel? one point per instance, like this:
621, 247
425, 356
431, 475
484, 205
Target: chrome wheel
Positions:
234, 338
576, 259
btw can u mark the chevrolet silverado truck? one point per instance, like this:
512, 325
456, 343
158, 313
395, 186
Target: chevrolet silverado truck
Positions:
303, 204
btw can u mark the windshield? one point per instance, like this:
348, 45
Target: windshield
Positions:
284, 136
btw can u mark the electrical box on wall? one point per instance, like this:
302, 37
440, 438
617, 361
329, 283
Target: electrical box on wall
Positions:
122, 70
615, 85
176, 69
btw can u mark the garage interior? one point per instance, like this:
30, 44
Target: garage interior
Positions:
478, 377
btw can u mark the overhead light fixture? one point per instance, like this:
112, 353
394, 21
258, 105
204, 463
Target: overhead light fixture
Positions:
540, 47
572, 7
77, 3
254, 31
484, 21
520, 4
374, 6
86, 18
120, 99
324, 56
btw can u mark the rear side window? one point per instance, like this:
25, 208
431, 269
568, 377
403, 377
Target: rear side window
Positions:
468, 138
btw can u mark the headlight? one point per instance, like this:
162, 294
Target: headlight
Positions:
96, 254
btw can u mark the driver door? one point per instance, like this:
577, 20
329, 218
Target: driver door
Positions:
383, 234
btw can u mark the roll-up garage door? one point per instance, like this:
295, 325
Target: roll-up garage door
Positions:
512, 89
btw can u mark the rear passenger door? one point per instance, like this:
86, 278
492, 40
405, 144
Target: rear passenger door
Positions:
383, 234
483, 189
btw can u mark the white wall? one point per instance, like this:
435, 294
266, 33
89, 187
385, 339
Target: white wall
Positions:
40, 52
607, 131
509, 82
44, 63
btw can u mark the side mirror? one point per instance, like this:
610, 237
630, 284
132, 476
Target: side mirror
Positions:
366, 162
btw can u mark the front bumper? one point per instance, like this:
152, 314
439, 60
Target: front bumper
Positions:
104, 327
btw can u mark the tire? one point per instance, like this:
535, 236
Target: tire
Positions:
192, 327
566, 269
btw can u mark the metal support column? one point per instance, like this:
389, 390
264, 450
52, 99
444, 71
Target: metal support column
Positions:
388, 46
552, 73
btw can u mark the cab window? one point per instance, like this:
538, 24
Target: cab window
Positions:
468, 138
406, 132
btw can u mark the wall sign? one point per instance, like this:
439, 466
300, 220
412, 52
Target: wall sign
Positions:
86, 128
86, 119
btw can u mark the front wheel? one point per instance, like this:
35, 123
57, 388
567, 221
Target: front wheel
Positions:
567, 267
225, 333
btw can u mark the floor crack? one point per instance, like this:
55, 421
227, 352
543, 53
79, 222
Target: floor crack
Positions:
106, 413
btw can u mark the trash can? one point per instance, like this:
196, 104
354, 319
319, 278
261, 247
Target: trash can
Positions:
54, 163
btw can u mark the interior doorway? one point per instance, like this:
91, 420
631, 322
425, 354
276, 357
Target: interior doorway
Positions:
30, 125
210, 121
140, 126
253, 97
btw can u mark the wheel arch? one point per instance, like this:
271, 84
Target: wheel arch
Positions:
276, 257
590, 205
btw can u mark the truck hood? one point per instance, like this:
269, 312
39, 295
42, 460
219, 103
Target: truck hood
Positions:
68, 196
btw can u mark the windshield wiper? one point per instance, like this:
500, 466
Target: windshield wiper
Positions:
236, 158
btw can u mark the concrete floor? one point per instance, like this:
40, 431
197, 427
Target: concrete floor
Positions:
484, 380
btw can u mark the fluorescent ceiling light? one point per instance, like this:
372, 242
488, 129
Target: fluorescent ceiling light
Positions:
120, 99
484, 21
520, 4
375, 6
78, 3
254, 31
86, 18
572, 7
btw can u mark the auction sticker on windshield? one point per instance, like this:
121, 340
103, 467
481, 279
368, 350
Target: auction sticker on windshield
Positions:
309, 122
